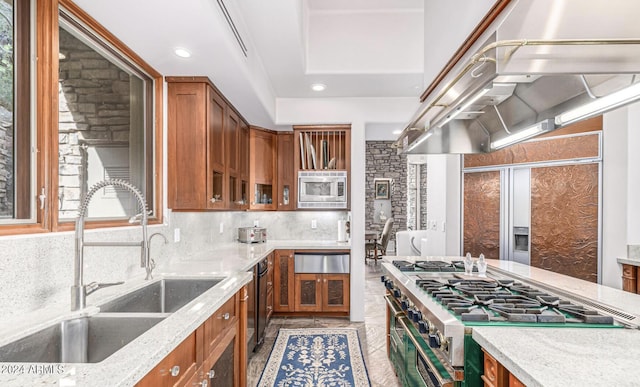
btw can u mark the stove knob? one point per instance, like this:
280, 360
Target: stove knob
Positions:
435, 340
410, 313
417, 316
388, 284
404, 304
397, 293
423, 327
383, 278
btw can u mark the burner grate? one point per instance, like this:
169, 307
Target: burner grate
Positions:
507, 301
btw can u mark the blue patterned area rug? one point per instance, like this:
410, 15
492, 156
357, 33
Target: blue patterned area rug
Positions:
316, 357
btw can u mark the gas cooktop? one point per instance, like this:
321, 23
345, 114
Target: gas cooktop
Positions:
430, 266
506, 300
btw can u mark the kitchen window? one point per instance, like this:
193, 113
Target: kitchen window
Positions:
105, 124
94, 113
16, 185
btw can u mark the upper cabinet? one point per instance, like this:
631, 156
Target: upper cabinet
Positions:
262, 169
322, 162
323, 147
207, 148
286, 172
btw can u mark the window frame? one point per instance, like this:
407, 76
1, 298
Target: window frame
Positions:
47, 117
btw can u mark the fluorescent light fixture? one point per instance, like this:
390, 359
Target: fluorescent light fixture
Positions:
524, 134
182, 53
464, 107
420, 141
600, 105
318, 87
397, 131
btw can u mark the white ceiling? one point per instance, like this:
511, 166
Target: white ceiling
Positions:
357, 48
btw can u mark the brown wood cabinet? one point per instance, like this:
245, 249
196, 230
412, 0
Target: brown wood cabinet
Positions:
322, 147
283, 280
630, 278
177, 368
262, 167
321, 292
212, 353
287, 178
496, 375
204, 147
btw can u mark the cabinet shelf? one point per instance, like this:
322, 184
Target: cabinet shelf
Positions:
322, 147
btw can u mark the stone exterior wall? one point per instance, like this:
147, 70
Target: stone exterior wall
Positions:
94, 109
382, 161
413, 183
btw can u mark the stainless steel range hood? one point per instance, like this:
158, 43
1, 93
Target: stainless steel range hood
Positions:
510, 90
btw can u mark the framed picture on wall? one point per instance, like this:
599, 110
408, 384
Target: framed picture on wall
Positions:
382, 189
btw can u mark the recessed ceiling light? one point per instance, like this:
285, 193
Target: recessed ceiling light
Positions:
182, 53
397, 131
318, 87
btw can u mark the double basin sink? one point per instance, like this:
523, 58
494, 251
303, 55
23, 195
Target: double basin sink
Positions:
92, 339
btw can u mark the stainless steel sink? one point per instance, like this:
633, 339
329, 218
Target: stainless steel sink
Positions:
164, 296
79, 340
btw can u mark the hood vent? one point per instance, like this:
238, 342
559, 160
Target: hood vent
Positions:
512, 90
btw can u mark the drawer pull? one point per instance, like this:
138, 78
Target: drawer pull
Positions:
175, 370
211, 374
225, 316
204, 383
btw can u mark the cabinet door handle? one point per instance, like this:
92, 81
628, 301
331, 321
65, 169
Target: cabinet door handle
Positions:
318, 279
175, 370
325, 280
224, 316
204, 383
211, 374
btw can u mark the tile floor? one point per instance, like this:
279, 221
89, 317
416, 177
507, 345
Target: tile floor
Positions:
371, 332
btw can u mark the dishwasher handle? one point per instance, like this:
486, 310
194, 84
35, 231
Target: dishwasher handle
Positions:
262, 268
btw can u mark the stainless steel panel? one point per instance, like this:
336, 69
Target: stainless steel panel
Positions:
322, 263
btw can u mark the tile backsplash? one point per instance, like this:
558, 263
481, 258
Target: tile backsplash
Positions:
37, 270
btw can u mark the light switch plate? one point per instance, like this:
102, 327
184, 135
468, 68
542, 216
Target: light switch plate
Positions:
314, 224
256, 223
221, 227
176, 235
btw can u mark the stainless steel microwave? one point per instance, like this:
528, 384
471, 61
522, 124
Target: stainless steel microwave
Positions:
322, 189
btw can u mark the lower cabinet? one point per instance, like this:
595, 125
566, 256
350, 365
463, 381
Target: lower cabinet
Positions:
321, 293
496, 375
283, 271
297, 293
210, 356
177, 369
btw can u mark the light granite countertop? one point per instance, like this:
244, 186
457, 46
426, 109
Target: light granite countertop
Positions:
129, 364
629, 261
565, 356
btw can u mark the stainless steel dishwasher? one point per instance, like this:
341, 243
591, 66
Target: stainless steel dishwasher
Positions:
261, 300
251, 310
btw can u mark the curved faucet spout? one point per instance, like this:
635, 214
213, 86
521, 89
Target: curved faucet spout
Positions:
152, 263
79, 289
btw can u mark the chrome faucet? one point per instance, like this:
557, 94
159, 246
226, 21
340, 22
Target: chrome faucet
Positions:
80, 291
152, 263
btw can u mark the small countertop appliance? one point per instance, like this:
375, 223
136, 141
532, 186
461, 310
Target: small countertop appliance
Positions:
252, 234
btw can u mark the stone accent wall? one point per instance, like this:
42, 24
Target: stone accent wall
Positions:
6, 163
94, 109
412, 185
382, 161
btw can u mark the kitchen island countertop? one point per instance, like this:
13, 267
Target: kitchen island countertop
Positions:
131, 363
